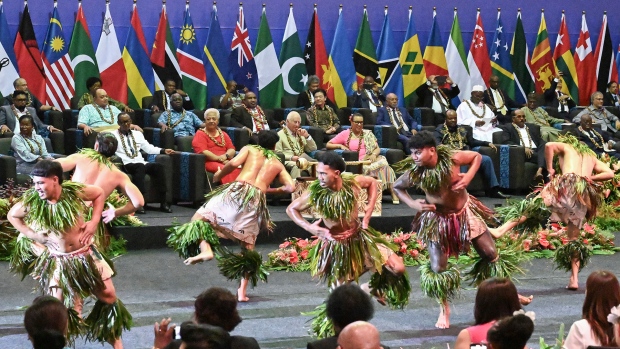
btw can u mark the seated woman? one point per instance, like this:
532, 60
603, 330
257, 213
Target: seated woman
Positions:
364, 142
496, 298
28, 147
322, 115
93, 84
46, 321
602, 294
215, 145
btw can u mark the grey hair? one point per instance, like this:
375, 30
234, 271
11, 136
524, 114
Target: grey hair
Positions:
313, 79
594, 95
212, 110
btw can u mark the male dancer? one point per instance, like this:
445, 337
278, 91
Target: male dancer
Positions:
53, 214
237, 210
449, 219
347, 247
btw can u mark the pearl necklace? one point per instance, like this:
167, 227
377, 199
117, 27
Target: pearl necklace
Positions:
101, 113
527, 130
598, 135
170, 119
135, 146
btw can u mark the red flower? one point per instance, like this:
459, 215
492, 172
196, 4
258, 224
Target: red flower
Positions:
403, 248
314, 242
398, 240
406, 237
285, 244
526, 244
302, 243
543, 242
414, 253
585, 241
304, 254
293, 258
564, 240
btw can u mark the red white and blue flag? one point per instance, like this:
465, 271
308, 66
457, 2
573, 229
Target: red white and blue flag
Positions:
242, 65
59, 87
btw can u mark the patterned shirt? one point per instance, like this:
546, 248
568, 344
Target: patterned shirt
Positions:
186, 127
323, 118
91, 116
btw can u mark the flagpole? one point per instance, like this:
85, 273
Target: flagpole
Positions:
385, 11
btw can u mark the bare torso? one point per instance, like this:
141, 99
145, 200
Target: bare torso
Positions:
258, 170
573, 162
101, 176
447, 200
343, 225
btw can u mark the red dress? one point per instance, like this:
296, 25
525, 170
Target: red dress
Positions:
202, 142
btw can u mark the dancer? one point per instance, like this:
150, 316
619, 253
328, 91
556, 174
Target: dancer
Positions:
449, 219
348, 247
53, 214
236, 211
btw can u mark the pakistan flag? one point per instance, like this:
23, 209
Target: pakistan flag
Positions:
294, 74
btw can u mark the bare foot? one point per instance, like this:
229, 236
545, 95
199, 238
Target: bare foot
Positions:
241, 296
443, 321
202, 257
525, 300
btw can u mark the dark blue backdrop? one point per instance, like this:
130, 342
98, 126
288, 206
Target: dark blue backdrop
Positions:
277, 13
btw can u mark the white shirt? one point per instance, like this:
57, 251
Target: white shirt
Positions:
526, 138
580, 336
465, 116
141, 144
436, 104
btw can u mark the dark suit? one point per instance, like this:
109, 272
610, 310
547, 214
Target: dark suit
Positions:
606, 137
158, 100
36, 104
236, 342
489, 99
608, 99
362, 100
329, 343
8, 118
511, 136
426, 96
303, 100
241, 118
383, 118
551, 101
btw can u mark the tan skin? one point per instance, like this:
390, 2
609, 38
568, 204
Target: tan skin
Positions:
451, 123
212, 120
176, 102
597, 103
101, 99
357, 128
231, 90
25, 129
20, 104
93, 92
319, 103
359, 335
22, 85
259, 172
170, 87
293, 123
433, 80
368, 81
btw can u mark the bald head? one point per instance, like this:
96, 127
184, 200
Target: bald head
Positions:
359, 335
392, 100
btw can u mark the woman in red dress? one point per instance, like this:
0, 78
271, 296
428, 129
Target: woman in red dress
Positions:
215, 145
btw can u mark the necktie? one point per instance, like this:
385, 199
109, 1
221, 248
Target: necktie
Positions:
440, 99
373, 97
615, 100
562, 103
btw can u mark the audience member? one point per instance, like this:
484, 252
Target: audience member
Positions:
346, 304
611, 98
99, 116
549, 126
433, 95
614, 319
602, 294
359, 335
32, 101
499, 101
364, 142
599, 142
235, 94
162, 98
321, 115
10, 114
369, 95
478, 116
201, 336
393, 115
28, 147
93, 84
521, 135
306, 98
558, 100
182, 122
511, 333
215, 145
460, 138
608, 121
251, 117
496, 298
46, 321
294, 143
131, 143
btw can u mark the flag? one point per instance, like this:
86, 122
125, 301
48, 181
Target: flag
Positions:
584, 63
564, 61
140, 80
82, 54
618, 58
268, 67
478, 57
500, 59
341, 70
57, 64
520, 59
411, 62
434, 55
241, 60
192, 69
389, 68
163, 55
8, 73
364, 57
315, 54
215, 59
457, 61
111, 67
542, 65
28, 57
294, 75
606, 69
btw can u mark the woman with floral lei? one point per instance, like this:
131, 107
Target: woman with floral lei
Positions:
348, 248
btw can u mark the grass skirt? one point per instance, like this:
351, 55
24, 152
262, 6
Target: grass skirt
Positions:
185, 239
395, 288
533, 208
571, 196
106, 322
236, 266
444, 286
507, 264
573, 249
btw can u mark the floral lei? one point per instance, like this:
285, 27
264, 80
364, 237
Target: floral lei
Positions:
16, 112
451, 140
135, 146
28, 141
169, 121
431, 180
59, 217
591, 113
484, 109
258, 116
296, 151
96, 156
360, 137
541, 120
221, 142
598, 135
520, 137
332, 115
335, 205
397, 119
97, 108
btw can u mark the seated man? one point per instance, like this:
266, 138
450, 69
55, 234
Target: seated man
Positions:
549, 126
369, 95
556, 99
100, 116
93, 84
608, 121
306, 98
611, 98
435, 96
478, 116
182, 122
499, 101
294, 143
600, 142
130, 143
234, 96
322, 115
162, 98
520, 134
10, 114
460, 138
32, 101
393, 115
359, 335
251, 117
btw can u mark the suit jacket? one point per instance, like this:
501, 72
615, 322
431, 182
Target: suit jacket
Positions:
158, 100
608, 100
511, 136
584, 138
236, 342
466, 133
489, 99
329, 343
425, 96
241, 118
36, 104
383, 118
551, 98
284, 147
7, 117
362, 100
303, 100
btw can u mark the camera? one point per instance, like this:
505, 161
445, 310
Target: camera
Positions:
441, 80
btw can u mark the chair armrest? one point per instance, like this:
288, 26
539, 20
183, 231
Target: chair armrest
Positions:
54, 118
141, 117
188, 184
58, 141
8, 169
185, 144
238, 136
392, 155
69, 119
387, 136
75, 140
157, 138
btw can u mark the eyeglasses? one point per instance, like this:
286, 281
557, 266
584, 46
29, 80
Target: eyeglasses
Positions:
358, 122
20, 100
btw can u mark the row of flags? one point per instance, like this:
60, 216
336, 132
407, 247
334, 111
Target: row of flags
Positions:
59, 71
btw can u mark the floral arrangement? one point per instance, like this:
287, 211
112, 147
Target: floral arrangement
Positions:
292, 255
411, 249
